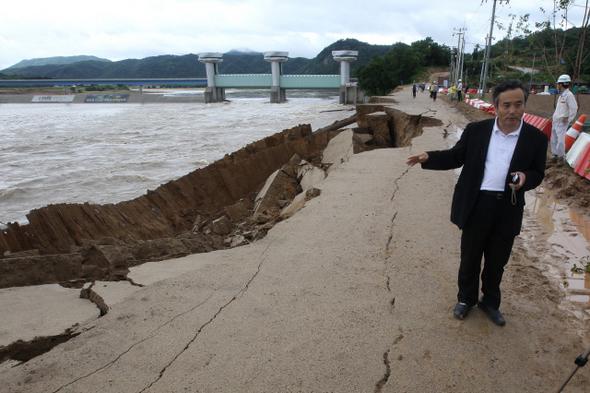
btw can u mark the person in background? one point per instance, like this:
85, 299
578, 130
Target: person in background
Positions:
460, 91
565, 113
433, 90
452, 92
414, 90
501, 159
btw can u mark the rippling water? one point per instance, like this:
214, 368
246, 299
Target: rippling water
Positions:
52, 153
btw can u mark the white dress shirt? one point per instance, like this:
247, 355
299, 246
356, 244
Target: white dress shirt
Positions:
498, 159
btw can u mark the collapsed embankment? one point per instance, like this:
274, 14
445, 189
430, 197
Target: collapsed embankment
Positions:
208, 209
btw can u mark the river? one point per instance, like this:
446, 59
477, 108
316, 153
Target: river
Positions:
103, 153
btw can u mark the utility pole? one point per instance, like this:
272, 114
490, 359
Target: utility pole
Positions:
453, 62
452, 66
482, 66
462, 58
458, 70
482, 84
532, 71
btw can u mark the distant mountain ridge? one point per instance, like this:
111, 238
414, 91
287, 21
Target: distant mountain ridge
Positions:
55, 60
188, 66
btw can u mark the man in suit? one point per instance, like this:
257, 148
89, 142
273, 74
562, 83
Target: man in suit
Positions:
501, 159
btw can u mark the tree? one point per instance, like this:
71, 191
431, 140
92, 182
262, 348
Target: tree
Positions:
431, 53
580, 57
385, 73
374, 78
401, 64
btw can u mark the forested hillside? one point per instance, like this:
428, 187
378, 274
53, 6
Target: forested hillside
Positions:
188, 66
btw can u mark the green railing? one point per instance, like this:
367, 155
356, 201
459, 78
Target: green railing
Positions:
243, 80
310, 81
286, 81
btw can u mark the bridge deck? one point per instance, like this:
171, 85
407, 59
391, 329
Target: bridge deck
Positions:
252, 81
263, 81
201, 82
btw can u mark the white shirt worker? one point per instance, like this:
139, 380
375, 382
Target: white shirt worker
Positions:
565, 113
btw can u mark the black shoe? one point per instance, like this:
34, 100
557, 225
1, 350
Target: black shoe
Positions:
461, 310
494, 315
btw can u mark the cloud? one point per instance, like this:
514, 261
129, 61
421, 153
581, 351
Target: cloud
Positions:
134, 29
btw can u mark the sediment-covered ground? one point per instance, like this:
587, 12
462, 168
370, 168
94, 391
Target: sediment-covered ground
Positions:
351, 293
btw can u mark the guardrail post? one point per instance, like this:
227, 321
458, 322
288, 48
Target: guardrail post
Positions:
348, 89
276, 59
212, 92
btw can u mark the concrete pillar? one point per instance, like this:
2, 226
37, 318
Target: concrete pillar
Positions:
277, 95
344, 73
212, 92
348, 89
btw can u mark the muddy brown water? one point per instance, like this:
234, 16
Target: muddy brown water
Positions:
566, 232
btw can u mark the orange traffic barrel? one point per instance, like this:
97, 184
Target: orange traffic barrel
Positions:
574, 131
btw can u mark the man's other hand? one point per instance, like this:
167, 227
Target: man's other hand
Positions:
521, 179
417, 159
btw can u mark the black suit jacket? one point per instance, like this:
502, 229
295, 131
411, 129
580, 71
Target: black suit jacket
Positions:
471, 151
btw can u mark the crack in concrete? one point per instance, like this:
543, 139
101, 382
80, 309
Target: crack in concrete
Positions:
133, 282
428, 111
390, 238
92, 296
388, 278
383, 381
23, 351
395, 182
149, 336
233, 298
379, 385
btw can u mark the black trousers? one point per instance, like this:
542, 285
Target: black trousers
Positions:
488, 234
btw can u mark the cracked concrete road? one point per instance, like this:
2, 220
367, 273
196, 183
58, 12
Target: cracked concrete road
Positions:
352, 294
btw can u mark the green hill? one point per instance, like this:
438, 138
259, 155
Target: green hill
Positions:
323, 63
532, 50
550, 52
55, 60
188, 66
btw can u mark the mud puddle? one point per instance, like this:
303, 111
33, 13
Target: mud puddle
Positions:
561, 236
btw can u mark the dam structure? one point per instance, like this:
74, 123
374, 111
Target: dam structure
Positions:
216, 83
276, 81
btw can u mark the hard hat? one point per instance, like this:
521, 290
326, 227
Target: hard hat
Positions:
459, 80
565, 78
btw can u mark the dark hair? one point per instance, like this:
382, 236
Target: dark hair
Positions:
509, 85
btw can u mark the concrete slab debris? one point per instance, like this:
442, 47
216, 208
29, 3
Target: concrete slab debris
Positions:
33, 310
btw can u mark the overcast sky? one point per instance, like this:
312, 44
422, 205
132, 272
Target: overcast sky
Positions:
122, 29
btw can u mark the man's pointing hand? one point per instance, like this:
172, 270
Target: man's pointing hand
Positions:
417, 159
